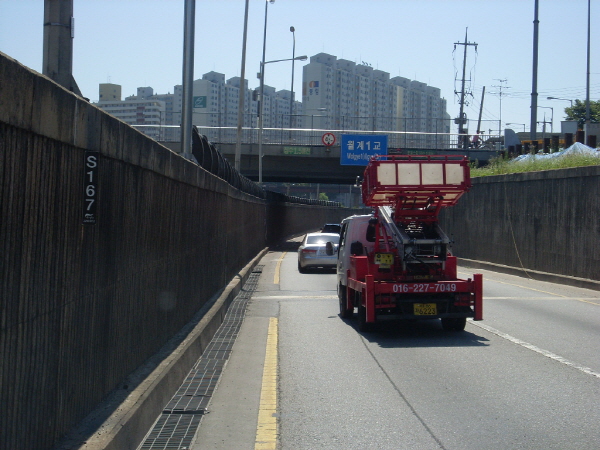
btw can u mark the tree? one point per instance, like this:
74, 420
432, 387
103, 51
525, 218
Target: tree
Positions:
577, 112
323, 196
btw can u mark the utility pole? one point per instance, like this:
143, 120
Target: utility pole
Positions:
242, 94
189, 26
544, 122
480, 111
462, 120
587, 84
59, 31
500, 94
534, 93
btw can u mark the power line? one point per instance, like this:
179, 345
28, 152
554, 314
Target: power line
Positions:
572, 91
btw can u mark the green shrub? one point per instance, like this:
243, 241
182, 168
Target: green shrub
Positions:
501, 166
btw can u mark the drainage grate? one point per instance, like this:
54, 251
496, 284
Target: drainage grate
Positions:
176, 426
172, 432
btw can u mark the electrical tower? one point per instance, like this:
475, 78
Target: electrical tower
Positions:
461, 120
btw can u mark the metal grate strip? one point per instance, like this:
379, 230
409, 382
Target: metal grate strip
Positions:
176, 426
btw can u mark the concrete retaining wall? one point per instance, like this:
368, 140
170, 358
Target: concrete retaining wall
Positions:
83, 306
544, 221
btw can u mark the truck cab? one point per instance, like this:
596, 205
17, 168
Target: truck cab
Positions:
353, 241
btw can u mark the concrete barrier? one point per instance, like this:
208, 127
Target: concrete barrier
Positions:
83, 306
542, 222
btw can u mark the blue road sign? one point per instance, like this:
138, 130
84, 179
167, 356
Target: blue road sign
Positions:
357, 149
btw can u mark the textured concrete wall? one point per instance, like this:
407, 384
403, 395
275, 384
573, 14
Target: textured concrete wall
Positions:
82, 306
544, 221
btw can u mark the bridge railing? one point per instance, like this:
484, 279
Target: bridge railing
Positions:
313, 137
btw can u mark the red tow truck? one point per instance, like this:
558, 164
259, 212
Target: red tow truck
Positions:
396, 263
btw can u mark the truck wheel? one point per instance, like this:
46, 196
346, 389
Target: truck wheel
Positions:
344, 313
460, 324
454, 324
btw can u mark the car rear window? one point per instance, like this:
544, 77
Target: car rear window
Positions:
322, 239
331, 228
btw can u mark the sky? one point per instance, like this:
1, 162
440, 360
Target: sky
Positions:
137, 43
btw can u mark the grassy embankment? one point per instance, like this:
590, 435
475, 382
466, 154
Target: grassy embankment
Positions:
501, 166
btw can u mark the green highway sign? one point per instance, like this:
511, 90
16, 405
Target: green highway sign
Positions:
296, 150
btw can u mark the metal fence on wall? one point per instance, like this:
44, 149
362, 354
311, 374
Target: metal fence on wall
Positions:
405, 134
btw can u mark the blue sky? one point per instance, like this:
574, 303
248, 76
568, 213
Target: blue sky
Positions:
139, 43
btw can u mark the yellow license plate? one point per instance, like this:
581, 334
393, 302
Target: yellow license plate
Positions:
425, 309
384, 260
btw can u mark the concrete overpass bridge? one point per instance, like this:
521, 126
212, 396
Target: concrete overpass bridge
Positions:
292, 155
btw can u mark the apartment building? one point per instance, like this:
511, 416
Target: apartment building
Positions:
146, 113
342, 95
337, 94
149, 112
215, 104
110, 92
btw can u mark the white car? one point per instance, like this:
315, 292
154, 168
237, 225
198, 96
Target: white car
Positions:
312, 253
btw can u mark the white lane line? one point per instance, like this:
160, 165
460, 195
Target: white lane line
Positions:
590, 300
541, 351
279, 297
523, 298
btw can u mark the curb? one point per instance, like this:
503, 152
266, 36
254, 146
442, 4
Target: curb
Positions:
131, 419
535, 274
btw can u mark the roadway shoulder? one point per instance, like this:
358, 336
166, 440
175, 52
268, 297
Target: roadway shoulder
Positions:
122, 421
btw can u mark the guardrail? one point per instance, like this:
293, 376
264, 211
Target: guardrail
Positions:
313, 137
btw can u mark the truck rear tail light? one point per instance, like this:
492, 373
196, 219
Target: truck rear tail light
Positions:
463, 300
384, 300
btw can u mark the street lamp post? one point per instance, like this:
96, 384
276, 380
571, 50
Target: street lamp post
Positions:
261, 106
565, 99
260, 94
188, 78
292, 29
242, 94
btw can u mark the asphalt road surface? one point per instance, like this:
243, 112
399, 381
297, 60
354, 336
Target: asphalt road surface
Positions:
526, 377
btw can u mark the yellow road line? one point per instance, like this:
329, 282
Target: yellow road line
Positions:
586, 301
266, 429
278, 269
